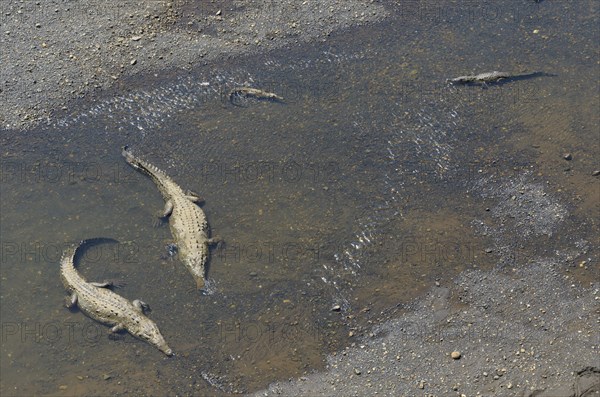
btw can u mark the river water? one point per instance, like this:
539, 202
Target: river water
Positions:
367, 185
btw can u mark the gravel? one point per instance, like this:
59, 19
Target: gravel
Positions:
516, 337
56, 52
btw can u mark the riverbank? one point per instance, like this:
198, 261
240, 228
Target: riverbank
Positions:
57, 53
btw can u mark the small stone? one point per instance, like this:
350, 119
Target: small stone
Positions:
336, 308
596, 173
568, 157
80, 377
62, 387
455, 355
136, 38
253, 274
133, 61
357, 371
38, 25
106, 376
218, 12
509, 386
489, 250
421, 385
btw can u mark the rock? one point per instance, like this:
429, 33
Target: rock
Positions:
568, 157
106, 376
596, 173
336, 308
357, 371
455, 355
133, 61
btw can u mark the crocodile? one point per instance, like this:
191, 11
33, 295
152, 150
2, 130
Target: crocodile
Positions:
186, 219
97, 301
249, 92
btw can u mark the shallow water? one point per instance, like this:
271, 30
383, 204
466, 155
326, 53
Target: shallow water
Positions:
365, 187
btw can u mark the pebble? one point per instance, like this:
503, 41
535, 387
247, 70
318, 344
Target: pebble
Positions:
357, 371
568, 156
106, 376
62, 387
133, 61
336, 308
596, 173
455, 355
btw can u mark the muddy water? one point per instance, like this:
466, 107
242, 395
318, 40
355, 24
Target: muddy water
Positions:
373, 181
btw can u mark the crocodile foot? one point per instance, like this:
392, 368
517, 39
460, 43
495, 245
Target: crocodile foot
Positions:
160, 220
216, 241
170, 252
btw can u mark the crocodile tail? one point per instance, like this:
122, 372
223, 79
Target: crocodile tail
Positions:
199, 283
76, 249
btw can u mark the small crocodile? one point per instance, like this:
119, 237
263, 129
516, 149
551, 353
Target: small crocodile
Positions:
105, 306
186, 219
248, 92
480, 78
493, 77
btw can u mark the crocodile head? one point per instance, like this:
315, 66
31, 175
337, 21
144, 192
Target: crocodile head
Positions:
149, 332
126, 152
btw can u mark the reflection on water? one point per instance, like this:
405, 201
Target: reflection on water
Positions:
349, 199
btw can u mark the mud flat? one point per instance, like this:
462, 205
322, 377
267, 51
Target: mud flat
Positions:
526, 332
55, 52
525, 328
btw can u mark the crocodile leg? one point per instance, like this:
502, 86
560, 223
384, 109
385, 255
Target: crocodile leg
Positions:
117, 328
194, 197
71, 301
108, 284
168, 209
141, 305
162, 217
218, 241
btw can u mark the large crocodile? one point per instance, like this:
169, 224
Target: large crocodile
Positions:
186, 219
493, 77
100, 303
